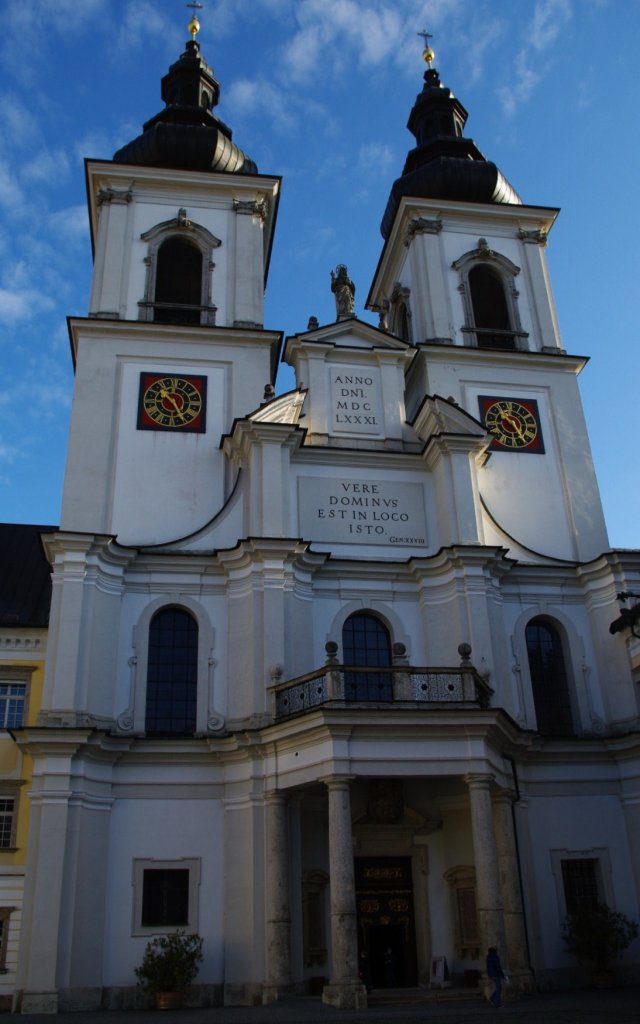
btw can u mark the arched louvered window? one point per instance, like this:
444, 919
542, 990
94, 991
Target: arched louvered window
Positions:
179, 275
172, 673
490, 299
549, 679
366, 643
490, 310
178, 295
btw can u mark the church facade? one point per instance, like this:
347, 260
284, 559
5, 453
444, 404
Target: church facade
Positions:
330, 676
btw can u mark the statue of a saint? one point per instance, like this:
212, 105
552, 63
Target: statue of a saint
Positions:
344, 290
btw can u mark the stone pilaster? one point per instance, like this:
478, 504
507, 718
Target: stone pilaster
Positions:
344, 989
278, 916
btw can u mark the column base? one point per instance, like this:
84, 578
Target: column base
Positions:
345, 995
522, 981
272, 993
39, 1002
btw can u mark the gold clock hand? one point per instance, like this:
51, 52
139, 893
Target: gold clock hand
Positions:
166, 394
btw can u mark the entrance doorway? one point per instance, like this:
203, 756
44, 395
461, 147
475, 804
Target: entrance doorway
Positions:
386, 929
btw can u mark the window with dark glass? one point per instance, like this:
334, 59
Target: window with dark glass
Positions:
172, 673
366, 643
580, 882
549, 679
490, 310
7, 822
165, 897
178, 297
13, 698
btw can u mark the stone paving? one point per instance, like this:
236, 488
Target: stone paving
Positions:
616, 1006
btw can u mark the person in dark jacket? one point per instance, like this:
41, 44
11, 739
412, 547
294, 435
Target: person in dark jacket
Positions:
495, 972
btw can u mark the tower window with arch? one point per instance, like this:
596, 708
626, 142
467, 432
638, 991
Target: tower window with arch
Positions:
490, 299
401, 313
179, 273
172, 673
366, 644
549, 679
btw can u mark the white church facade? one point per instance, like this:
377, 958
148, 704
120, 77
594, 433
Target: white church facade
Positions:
330, 675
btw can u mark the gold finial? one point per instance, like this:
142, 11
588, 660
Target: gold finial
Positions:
194, 25
428, 54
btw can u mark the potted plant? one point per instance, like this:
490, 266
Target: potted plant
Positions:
169, 966
597, 935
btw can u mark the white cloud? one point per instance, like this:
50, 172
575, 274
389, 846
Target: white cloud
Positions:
376, 159
138, 23
71, 223
548, 20
22, 304
8, 454
50, 165
10, 192
261, 98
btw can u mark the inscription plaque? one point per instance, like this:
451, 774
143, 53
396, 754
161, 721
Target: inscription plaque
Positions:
355, 512
355, 401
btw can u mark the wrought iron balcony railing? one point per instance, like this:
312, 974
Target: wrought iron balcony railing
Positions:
352, 684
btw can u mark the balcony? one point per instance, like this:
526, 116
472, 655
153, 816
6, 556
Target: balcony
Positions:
349, 685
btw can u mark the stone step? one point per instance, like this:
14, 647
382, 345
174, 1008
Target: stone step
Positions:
399, 996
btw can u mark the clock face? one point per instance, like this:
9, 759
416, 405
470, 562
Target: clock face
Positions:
172, 403
513, 422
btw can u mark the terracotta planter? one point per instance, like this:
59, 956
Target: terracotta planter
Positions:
169, 1000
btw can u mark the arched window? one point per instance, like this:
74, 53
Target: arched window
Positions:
490, 298
401, 312
549, 679
172, 673
178, 294
490, 313
180, 266
366, 643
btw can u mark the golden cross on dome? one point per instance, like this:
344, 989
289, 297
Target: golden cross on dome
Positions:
427, 54
194, 25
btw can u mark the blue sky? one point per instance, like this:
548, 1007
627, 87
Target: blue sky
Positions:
320, 92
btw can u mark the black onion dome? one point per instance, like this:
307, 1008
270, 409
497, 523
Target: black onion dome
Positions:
444, 164
186, 135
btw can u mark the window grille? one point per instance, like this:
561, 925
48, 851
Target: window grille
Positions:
172, 673
549, 679
365, 642
7, 812
13, 698
580, 881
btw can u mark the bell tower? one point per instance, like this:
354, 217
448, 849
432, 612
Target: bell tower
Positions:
182, 225
463, 277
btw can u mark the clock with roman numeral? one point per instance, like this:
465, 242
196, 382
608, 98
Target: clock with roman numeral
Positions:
172, 402
514, 424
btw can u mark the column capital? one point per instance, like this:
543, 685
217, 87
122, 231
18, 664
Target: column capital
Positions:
337, 781
479, 780
275, 796
504, 796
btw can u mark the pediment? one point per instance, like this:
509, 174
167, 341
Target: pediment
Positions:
349, 332
438, 415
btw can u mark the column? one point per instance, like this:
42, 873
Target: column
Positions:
345, 989
278, 917
488, 893
631, 808
516, 959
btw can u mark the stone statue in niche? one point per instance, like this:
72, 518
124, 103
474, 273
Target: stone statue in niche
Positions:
344, 290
